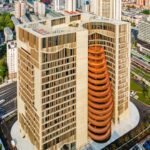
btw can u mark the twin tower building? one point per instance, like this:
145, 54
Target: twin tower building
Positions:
73, 79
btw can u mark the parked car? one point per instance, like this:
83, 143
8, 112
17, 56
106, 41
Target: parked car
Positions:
2, 101
2, 112
146, 145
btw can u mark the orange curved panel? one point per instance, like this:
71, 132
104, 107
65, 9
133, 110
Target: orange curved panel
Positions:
97, 76
103, 93
102, 117
97, 130
98, 82
99, 123
100, 111
95, 57
96, 50
101, 105
100, 137
97, 64
99, 88
100, 101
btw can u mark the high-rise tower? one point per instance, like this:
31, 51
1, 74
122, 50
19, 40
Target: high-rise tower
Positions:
73, 79
106, 8
70, 5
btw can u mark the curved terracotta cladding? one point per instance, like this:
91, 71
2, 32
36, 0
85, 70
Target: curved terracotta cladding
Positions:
100, 101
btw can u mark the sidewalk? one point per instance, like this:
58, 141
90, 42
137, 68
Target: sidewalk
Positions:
7, 83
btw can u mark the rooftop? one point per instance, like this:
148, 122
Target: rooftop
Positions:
15, 20
12, 44
43, 28
7, 30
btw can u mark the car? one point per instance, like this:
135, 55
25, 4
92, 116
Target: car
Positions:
13, 143
137, 147
146, 145
2, 101
2, 112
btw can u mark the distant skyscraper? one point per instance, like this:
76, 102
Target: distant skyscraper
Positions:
17, 10
106, 8
143, 3
36, 7
23, 8
39, 8
70, 5
57, 5
20, 9
147, 4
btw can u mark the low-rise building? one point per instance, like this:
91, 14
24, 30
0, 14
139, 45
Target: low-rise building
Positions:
8, 34
144, 37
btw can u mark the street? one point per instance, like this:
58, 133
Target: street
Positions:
8, 93
122, 143
143, 109
9, 106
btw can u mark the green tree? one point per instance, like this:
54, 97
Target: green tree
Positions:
5, 21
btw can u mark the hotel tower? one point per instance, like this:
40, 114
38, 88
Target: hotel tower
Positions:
73, 80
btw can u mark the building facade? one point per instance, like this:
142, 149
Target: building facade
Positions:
73, 79
143, 45
12, 59
143, 3
106, 8
20, 9
39, 8
17, 10
144, 37
70, 6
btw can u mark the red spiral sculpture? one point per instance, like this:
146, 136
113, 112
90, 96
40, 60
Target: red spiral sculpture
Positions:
100, 102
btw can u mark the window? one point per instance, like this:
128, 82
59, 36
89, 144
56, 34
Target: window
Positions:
44, 43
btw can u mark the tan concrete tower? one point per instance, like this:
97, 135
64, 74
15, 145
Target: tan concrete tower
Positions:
73, 79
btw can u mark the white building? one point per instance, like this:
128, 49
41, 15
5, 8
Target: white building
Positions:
12, 59
70, 5
8, 34
23, 8
56, 5
35, 7
39, 8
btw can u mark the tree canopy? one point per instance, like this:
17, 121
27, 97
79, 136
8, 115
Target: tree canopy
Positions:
5, 21
146, 11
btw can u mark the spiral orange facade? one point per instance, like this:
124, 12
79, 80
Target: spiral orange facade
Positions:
100, 102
